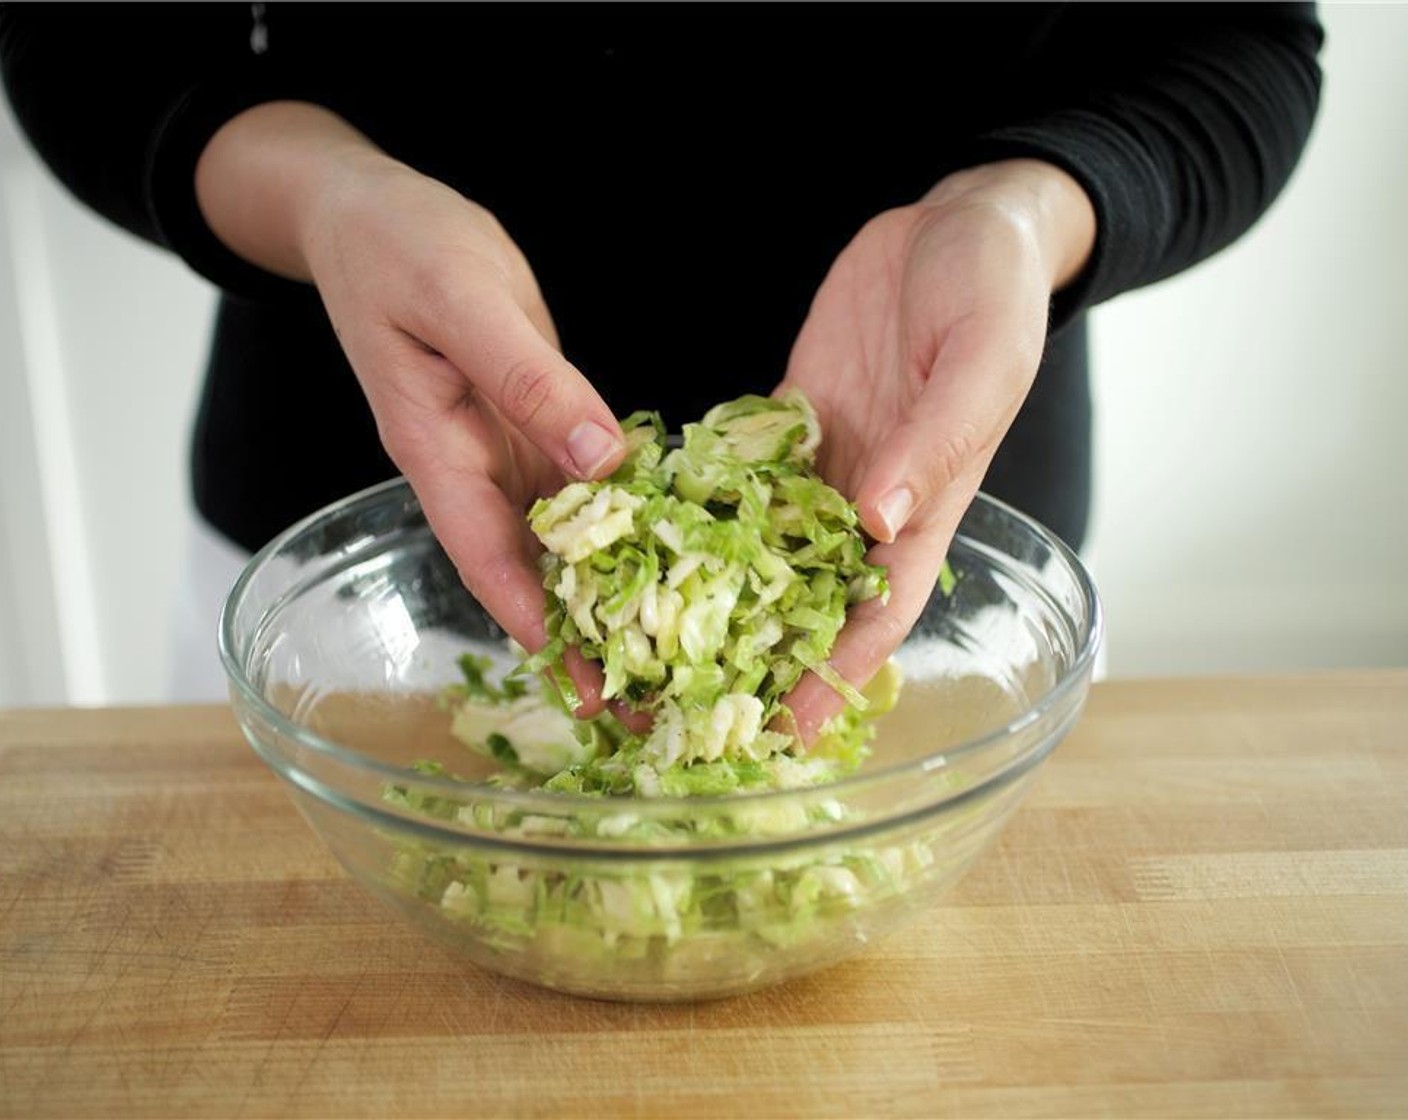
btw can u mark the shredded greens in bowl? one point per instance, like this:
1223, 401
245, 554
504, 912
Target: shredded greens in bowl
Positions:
706, 578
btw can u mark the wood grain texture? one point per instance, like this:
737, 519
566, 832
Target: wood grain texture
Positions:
1201, 910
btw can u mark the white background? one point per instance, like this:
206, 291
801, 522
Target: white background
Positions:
1252, 497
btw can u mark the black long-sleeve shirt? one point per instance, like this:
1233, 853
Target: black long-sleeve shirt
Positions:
680, 177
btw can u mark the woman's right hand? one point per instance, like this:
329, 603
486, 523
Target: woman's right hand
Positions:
444, 325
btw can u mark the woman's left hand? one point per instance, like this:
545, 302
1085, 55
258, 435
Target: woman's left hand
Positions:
919, 349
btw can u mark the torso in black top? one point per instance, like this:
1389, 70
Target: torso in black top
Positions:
679, 176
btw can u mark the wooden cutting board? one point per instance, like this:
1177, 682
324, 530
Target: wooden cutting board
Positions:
1201, 910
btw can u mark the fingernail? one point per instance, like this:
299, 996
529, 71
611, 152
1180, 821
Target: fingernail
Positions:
894, 509
589, 445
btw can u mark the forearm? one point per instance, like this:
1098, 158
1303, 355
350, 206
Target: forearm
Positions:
264, 175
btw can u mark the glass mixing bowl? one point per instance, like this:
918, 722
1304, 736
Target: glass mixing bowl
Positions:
340, 636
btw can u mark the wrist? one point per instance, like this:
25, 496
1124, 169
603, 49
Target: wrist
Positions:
1043, 198
265, 176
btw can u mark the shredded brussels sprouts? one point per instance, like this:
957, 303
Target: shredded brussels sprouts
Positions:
706, 579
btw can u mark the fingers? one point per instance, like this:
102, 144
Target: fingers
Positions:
874, 630
914, 490
588, 679
454, 460
484, 534
449, 444
637, 723
504, 355
490, 347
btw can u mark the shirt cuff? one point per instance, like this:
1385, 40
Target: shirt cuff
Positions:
1132, 211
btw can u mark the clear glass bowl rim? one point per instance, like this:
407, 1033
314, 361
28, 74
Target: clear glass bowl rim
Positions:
560, 803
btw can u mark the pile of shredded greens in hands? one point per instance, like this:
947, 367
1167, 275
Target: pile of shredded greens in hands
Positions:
706, 579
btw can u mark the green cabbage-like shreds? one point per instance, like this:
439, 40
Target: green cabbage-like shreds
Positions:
706, 579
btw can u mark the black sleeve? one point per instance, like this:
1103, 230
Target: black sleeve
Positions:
119, 100
1182, 122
